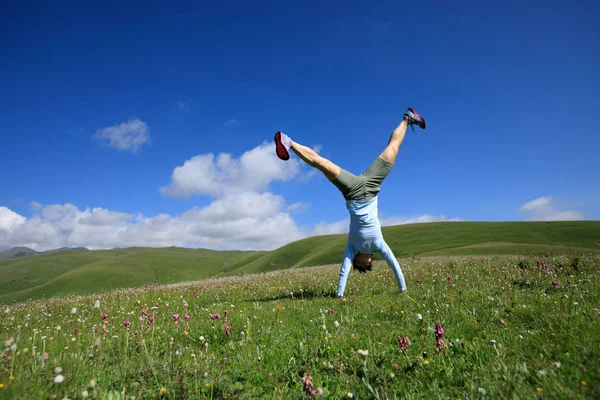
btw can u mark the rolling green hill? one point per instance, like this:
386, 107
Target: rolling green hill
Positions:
83, 272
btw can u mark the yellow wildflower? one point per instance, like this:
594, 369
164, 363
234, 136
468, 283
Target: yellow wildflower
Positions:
583, 383
12, 378
162, 389
540, 389
426, 362
1, 385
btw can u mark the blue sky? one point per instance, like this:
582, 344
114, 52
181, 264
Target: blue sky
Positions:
510, 93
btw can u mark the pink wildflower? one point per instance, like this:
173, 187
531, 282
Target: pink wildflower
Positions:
176, 319
449, 278
439, 335
126, 324
214, 316
45, 356
330, 311
76, 331
569, 282
104, 316
228, 331
187, 318
555, 283
307, 385
403, 343
144, 310
226, 312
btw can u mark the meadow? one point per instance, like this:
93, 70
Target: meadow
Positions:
477, 326
64, 273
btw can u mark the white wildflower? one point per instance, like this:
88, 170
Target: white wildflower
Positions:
97, 304
363, 353
74, 310
336, 324
84, 394
59, 379
57, 370
419, 317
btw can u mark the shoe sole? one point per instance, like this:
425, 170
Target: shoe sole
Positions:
280, 147
418, 116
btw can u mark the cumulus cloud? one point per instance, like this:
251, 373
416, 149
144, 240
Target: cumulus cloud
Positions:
9, 221
241, 221
238, 221
219, 175
127, 136
332, 228
243, 214
342, 226
544, 209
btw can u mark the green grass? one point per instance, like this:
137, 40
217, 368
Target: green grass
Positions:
508, 333
81, 272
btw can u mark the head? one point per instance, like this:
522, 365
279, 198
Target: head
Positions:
363, 262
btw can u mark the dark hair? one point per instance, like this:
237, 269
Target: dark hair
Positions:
361, 269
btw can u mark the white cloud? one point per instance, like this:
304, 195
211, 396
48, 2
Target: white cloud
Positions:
238, 221
297, 208
241, 221
544, 209
342, 226
417, 220
331, 228
127, 136
183, 106
231, 122
9, 221
217, 176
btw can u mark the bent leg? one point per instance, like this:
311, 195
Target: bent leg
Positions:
397, 137
309, 156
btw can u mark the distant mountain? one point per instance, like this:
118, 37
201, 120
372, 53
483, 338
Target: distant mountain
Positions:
63, 248
18, 252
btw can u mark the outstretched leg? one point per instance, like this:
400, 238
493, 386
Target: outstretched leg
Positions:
397, 137
309, 156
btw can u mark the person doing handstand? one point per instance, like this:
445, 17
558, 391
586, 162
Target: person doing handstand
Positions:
360, 192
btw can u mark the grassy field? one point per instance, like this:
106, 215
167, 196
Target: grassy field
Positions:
82, 272
513, 327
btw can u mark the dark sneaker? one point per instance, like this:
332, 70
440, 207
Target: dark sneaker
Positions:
414, 118
282, 146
